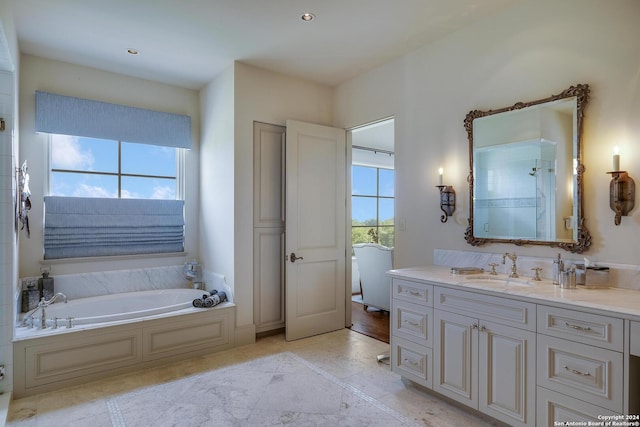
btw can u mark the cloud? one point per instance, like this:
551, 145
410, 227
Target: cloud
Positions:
68, 154
163, 192
85, 190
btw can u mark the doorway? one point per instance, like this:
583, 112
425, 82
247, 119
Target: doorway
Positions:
372, 219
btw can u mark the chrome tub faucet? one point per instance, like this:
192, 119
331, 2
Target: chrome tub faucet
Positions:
42, 305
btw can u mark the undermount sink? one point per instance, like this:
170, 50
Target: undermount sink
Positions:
498, 280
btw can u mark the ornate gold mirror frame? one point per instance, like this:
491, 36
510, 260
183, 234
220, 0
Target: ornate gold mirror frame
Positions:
582, 238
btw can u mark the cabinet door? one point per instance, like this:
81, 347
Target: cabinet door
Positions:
506, 369
268, 280
455, 357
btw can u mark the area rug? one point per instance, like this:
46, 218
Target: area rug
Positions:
281, 389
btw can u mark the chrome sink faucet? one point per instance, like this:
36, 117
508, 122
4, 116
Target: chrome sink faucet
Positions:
514, 269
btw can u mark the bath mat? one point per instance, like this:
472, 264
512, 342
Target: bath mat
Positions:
274, 390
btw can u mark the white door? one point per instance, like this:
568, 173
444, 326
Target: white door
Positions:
315, 241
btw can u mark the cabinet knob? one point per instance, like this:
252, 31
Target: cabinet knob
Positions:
474, 326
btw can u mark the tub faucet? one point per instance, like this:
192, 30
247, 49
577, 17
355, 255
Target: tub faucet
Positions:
43, 304
514, 269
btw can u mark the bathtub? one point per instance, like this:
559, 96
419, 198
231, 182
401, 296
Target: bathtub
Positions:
117, 333
123, 306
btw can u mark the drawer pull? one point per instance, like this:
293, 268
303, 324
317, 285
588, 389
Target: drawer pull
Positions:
573, 371
579, 328
411, 362
414, 293
416, 324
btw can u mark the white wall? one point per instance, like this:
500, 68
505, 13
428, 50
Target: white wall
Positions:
536, 49
217, 180
9, 67
229, 106
73, 80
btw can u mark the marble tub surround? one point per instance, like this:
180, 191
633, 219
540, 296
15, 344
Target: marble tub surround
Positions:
84, 285
621, 276
329, 379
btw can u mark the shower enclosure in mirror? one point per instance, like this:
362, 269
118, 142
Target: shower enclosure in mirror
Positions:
525, 177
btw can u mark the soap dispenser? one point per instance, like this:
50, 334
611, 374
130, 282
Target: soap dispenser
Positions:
558, 267
45, 286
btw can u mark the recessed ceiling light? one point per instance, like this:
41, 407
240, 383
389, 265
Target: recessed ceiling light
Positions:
132, 51
307, 17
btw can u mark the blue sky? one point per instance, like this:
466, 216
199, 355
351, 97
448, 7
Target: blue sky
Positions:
99, 155
364, 183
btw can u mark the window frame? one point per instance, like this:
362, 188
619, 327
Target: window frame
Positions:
179, 177
377, 198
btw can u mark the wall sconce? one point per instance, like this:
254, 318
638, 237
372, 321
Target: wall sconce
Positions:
622, 190
447, 198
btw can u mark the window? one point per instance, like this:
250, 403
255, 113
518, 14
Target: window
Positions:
372, 199
111, 198
113, 187
91, 167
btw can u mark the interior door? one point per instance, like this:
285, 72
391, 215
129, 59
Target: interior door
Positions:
315, 236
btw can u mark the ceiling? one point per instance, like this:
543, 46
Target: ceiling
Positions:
188, 42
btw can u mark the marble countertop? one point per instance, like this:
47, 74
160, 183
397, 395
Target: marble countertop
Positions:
616, 302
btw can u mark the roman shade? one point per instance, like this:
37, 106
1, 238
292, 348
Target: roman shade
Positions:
87, 227
67, 115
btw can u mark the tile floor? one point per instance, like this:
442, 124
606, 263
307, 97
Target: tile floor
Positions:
327, 380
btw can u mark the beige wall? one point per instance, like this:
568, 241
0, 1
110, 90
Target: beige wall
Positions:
73, 80
271, 98
533, 50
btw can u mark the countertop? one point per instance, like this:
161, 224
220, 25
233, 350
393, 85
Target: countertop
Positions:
622, 303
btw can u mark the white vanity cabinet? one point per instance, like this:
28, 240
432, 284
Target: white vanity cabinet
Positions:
484, 353
527, 356
411, 330
580, 364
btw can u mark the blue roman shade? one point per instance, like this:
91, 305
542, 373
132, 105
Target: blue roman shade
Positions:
67, 115
86, 227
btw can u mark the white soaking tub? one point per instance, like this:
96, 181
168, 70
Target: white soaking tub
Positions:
114, 334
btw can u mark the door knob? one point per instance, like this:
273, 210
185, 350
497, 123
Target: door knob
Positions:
293, 257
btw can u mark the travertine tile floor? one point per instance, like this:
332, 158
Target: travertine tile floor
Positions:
328, 380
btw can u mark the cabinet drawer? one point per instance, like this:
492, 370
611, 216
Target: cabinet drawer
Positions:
417, 293
412, 322
588, 373
506, 311
592, 329
412, 361
556, 409
634, 339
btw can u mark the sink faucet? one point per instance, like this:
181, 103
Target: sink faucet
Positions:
43, 304
514, 269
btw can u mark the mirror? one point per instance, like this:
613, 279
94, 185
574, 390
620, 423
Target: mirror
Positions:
525, 173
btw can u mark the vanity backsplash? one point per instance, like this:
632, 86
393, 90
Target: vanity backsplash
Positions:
620, 275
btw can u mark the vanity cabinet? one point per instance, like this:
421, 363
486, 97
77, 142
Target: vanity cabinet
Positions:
411, 331
634, 338
527, 356
580, 361
487, 360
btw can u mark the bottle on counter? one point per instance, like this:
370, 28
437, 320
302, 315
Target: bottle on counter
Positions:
45, 286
